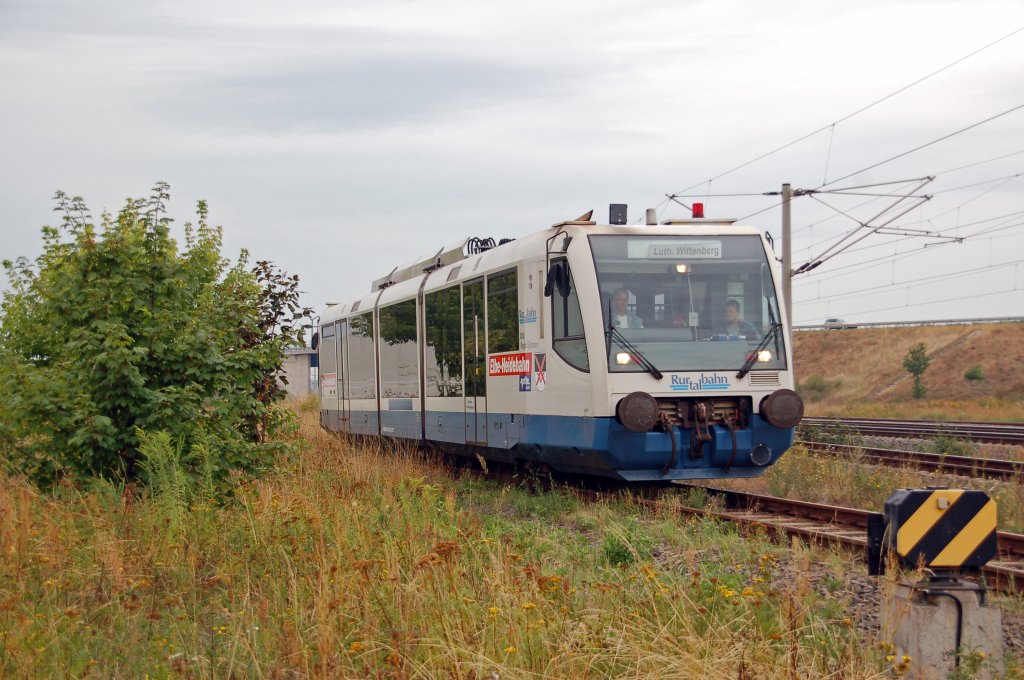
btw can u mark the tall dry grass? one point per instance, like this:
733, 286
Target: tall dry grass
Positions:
362, 561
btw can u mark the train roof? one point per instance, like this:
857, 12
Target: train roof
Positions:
403, 281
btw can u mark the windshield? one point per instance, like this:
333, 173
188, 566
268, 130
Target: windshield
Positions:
687, 303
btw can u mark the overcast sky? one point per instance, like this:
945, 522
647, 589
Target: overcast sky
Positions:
342, 139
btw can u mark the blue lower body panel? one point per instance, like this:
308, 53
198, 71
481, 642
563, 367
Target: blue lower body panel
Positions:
592, 446
602, 446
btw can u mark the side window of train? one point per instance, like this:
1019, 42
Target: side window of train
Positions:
361, 372
442, 310
503, 312
567, 319
398, 368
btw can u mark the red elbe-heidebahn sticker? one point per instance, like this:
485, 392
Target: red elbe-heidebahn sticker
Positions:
515, 363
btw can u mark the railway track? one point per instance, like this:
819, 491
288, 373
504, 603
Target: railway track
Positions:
992, 433
837, 525
987, 468
783, 517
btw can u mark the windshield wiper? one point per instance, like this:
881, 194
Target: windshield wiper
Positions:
774, 322
752, 359
614, 334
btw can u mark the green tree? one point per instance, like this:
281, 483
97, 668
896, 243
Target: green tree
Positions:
114, 331
916, 362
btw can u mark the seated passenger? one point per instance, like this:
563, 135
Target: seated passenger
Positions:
621, 316
737, 326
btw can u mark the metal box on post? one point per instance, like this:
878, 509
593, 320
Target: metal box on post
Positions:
941, 529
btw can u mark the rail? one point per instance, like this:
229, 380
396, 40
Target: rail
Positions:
989, 432
966, 466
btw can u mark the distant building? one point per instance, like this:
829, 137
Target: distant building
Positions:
298, 368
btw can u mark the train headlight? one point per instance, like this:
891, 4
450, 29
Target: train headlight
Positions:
783, 409
622, 358
637, 411
682, 268
764, 356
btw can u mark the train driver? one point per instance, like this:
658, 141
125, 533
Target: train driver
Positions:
736, 325
621, 316
679, 319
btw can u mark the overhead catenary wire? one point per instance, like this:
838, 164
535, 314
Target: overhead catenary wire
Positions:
941, 173
923, 226
844, 242
839, 247
857, 266
940, 231
931, 218
914, 283
926, 144
851, 115
932, 302
978, 184
977, 163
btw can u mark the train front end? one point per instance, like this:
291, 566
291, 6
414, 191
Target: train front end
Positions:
688, 352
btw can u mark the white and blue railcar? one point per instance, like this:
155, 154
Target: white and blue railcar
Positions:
643, 353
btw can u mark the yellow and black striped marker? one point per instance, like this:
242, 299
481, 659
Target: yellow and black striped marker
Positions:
949, 529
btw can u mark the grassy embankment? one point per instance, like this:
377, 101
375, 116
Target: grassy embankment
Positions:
843, 373
846, 373
353, 562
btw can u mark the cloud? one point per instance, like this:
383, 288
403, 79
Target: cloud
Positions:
364, 92
344, 138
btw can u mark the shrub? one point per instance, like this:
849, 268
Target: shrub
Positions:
974, 374
950, 445
816, 387
114, 331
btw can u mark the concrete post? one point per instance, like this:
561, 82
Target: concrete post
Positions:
921, 621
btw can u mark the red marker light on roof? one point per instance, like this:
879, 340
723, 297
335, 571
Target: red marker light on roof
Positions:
698, 210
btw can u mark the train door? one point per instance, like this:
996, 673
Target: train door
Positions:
328, 349
474, 351
343, 400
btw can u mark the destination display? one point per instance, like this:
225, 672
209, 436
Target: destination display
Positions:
638, 249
